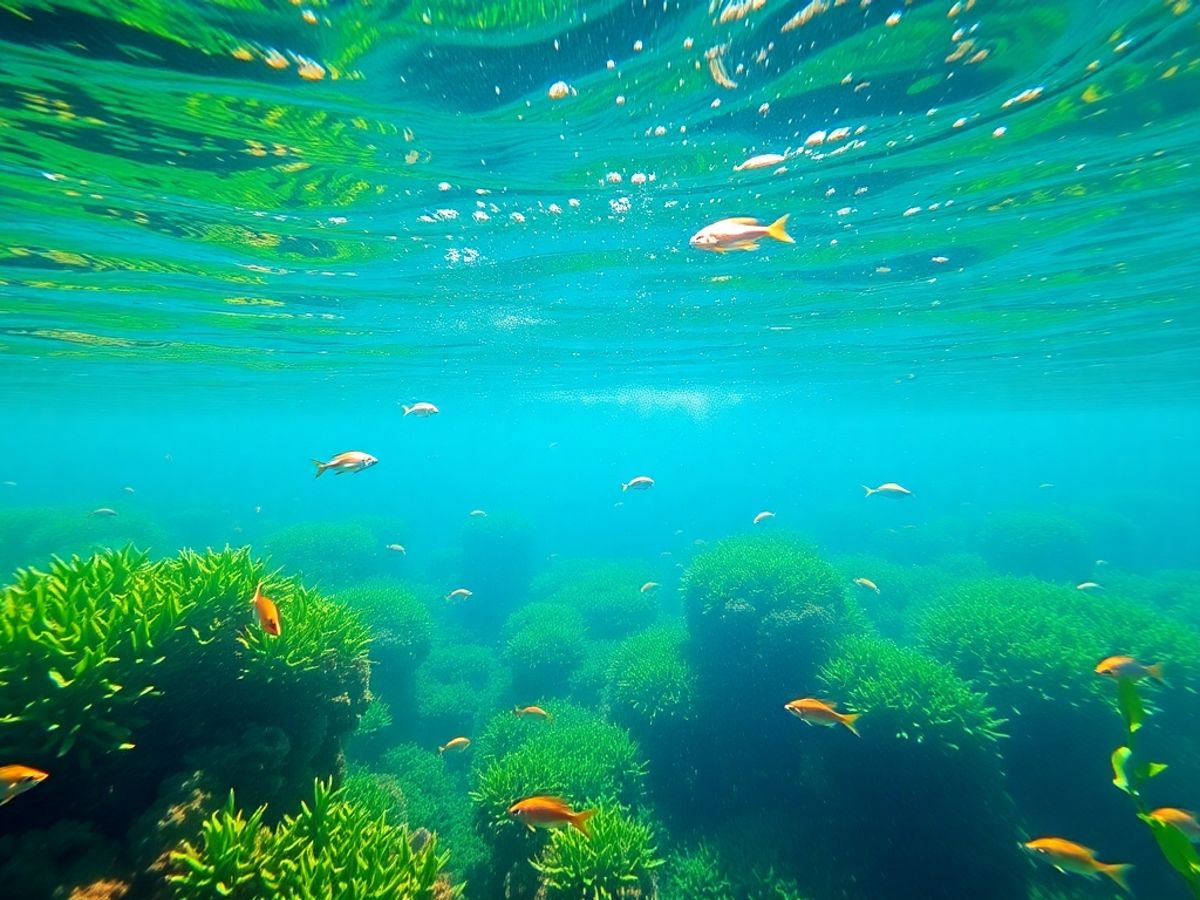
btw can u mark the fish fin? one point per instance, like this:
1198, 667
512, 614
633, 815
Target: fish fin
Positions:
579, 820
744, 245
742, 220
321, 467
869, 491
777, 230
624, 487
1118, 872
1156, 672
407, 409
849, 719
441, 751
832, 704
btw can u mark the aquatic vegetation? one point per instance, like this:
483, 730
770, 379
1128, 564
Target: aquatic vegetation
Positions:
457, 686
545, 642
329, 554
921, 725
900, 588
1045, 544
608, 594
498, 560
651, 681
36, 533
331, 848
617, 860
379, 795
400, 623
587, 682
695, 874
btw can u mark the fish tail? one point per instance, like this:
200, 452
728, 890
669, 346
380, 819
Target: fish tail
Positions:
579, 820
848, 720
624, 487
321, 467
441, 750
1118, 872
1156, 672
777, 230
407, 409
869, 491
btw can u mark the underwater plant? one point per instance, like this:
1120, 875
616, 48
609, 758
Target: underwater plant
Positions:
330, 555
901, 587
37, 532
608, 594
498, 560
1044, 544
922, 725
458, 686
616, 859
695, 874
544, 643
400, 623
587, 682
378, 794
331, 848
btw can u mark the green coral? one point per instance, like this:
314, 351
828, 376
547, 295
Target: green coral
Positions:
650, 679
331, 848
907, 695
608, 595
545, 642
329, 554
695, 874
1045, 544
617, 859
91, 644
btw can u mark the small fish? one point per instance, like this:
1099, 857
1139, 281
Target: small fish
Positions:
1067, 856
522, 711
822, 712
763, 516
640, 483
867, 583
350, 461
739, 233
891, 489
459, 594
550, 812
1179, 818
397, 548
10, 484
17, 779
1128, 667
762, 161
458, 743
127, 489
1088, 586
420, 410
649, 586
1101, 562
478, 514
1045, 486
103, 513
268, 612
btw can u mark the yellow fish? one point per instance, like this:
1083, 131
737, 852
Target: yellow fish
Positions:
1128, 667
522, 711
739, 233
268, 612
458, 743
1179, 818
1067, 856
17, 779
867, 583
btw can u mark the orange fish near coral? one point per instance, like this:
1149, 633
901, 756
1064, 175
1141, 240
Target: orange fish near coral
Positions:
17, 779
1067, 856
350, 461
550, 812
1128, 667
1179, 818
268, 612
458, 743
822, 712
522, 711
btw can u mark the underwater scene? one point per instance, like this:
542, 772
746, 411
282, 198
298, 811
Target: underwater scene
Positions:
595, 449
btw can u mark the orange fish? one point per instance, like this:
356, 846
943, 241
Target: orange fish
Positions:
822, 712
521, 711
1179, 818
458, 743
867, 583
1128, 667
1067, 856
268, 612
550, 812
350, 461
17, 779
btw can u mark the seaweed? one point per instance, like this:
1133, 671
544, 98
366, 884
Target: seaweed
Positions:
616, 859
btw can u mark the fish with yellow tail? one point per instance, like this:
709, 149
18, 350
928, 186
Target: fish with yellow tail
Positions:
891, 489
268, 612
536, 711
1182, 819
739, 233
1067, 856
17, 779
867, 583
1128, 667
454, 744
822, 712
350, 461
550, 812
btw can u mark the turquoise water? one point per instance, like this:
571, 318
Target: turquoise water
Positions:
238, 236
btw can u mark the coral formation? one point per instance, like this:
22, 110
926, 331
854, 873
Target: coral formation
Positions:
544, 643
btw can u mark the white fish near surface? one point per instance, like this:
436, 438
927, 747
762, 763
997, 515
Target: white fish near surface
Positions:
397, 548
891, 489
763, 517
739, 233
420, 410
478, 514
127, 489
762, 161
103, 513
350, 461
639, 483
